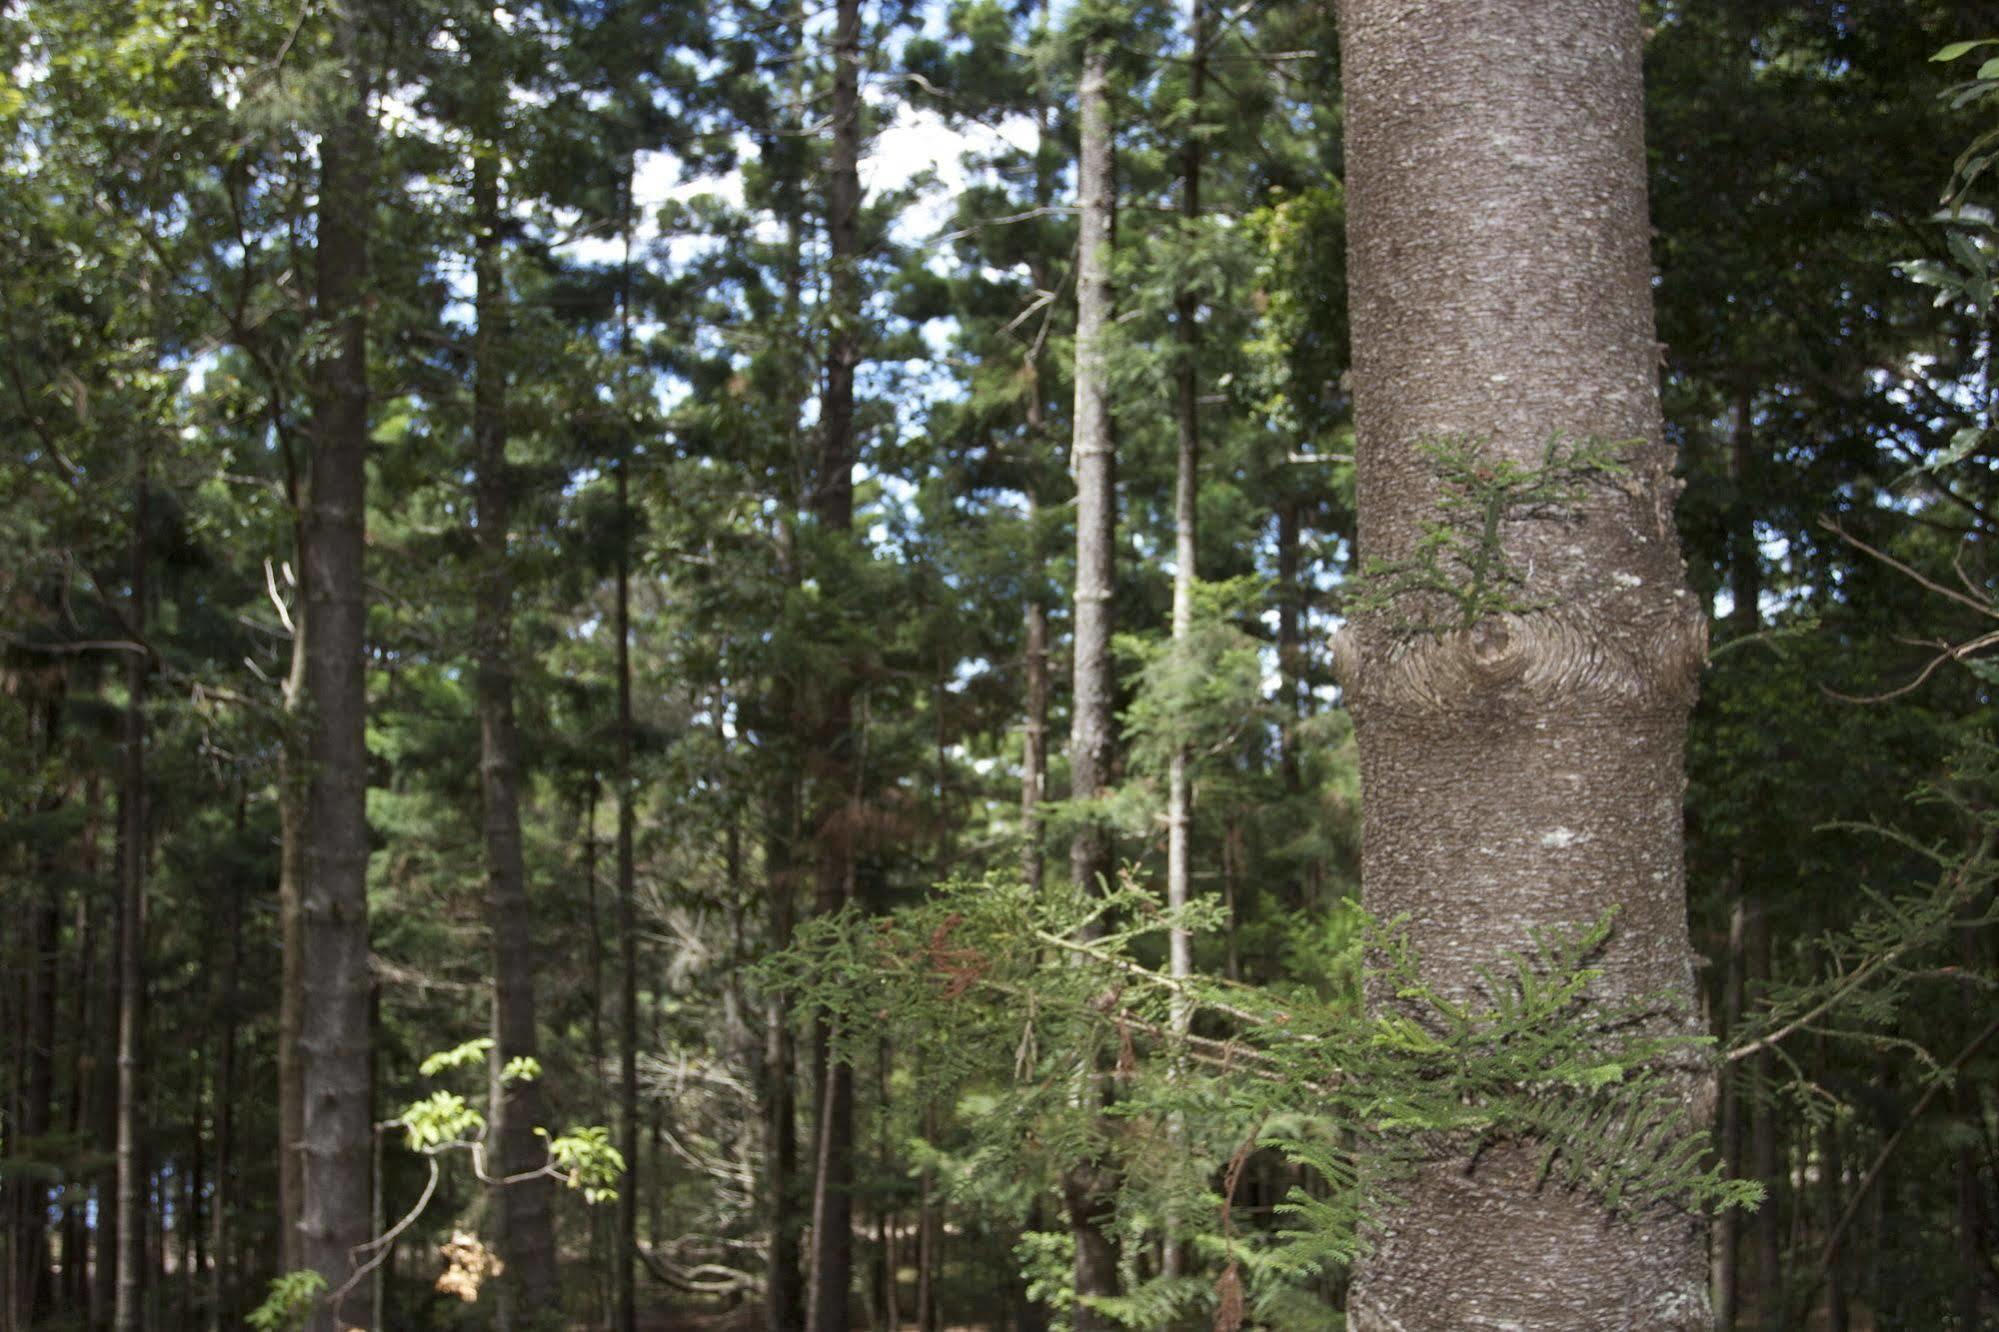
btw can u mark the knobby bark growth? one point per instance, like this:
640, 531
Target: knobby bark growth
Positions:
1524, 770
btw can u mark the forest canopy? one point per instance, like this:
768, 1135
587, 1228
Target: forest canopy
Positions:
1291, 665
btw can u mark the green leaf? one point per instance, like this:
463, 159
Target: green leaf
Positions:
1962, 445
469, 1053
1958, 49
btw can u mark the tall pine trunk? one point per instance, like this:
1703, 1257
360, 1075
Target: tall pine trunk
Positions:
1745, 572
1086, 1185
1523, 769
334, 1035
784, 727
128, 1311
32, 1295
628, 931
228, 985
1034, 739
521, 1209
1186, 548
292, 768
833, 509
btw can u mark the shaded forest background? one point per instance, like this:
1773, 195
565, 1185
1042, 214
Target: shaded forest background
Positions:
722, 459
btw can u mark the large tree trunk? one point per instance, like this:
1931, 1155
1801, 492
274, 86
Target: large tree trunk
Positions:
334, 908
128, 1311
1523, 769
1092, 728
833, 508
521, 1209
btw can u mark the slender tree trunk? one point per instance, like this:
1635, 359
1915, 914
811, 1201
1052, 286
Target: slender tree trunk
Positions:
334, 1037
85, 1073
293, 766
784, 1293
833, 509
1745, 570
1092, 733
1186, 550
783, 727
1973, 1249
1766, 1227
189, 1228
628, 932
1034, 741
1086, 1184
227, 986
33, 1297
1727, 1229
104, 1104
1291, 676
1831, 1198
605, 1301
1290, 642
525, 1233
129, 1311
1523, 770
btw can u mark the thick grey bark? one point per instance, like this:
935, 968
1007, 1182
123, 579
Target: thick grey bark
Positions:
831, 1272
1087, 1186
128, 1311
1526, 771
334, 1037
526, 1237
